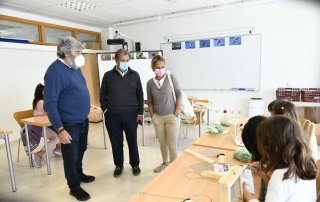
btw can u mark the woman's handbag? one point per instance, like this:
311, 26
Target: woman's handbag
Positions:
186, 107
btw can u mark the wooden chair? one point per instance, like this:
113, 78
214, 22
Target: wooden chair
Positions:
309, 131
18, 116
318, 181
200, 104
302, 120
186, 122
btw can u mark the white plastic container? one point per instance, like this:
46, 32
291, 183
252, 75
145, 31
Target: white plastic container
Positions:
256, 107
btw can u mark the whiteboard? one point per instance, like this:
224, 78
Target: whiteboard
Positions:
142, 66
227, 67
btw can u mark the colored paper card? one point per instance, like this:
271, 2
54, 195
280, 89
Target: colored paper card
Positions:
236, 40
205, 43
176, 46
190, 44
219, 42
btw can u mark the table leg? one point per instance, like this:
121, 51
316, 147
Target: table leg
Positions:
200, 122
208, 117
28, 145
12, 177
44, 128
104, 130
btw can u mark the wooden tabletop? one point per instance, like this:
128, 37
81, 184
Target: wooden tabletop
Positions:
37, 121
181, 179
5, 131
198, 110
218, 141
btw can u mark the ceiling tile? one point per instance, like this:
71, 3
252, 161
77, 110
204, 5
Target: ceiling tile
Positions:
108, 10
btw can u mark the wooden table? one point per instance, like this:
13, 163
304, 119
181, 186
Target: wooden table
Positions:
4, 134
218, 141
41, 121
182, 180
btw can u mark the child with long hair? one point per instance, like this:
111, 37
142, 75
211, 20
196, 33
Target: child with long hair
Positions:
249, 139
53, 140
287, 155
287, 108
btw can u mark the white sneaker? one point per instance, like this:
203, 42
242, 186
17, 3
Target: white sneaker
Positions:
161, 167
57, 152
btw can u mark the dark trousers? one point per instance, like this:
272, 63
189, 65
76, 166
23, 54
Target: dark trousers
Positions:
116, 123
73, 153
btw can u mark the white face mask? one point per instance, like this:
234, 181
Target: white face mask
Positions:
79, 61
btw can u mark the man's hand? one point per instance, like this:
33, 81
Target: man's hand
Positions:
64, 137
140, 119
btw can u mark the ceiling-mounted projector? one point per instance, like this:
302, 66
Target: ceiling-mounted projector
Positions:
116, 41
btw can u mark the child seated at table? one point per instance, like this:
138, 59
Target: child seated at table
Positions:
53, 141
287, 108
249, 139
271, 105
287, 155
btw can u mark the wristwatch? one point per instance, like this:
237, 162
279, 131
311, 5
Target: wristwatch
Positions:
60, 130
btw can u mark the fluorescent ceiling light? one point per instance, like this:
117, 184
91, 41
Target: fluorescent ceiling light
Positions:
77, 5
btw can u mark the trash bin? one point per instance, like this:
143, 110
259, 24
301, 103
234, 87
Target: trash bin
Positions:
256, 107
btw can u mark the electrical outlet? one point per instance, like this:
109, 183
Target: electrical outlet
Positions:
231, 112
239, 112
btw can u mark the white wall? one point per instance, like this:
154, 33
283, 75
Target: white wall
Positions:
22, 67
290, 46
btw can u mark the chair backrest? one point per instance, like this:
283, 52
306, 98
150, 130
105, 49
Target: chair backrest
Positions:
22, 115
302, 120
201, 103
318, 181
306, 127
309, 132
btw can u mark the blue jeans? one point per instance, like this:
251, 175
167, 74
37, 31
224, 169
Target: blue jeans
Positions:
73, 153
116, 123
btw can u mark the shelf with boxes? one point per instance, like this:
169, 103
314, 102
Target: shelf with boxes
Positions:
298, 94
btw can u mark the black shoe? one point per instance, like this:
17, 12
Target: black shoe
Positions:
117, 171
86, 178
80, 194
136, 170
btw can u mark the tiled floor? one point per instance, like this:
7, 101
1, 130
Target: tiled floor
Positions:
35, 185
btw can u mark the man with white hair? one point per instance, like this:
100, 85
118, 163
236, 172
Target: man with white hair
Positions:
67, 102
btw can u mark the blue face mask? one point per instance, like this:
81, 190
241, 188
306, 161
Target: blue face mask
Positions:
123, 66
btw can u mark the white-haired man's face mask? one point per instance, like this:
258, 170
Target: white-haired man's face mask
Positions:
75, 59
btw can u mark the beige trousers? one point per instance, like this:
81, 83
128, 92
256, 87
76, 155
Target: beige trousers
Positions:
167, 130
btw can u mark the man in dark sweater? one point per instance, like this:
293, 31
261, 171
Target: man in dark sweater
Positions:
121, 98
67, 102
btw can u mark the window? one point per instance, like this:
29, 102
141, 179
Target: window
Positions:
17, 30
83, 37
45, 33
54, 35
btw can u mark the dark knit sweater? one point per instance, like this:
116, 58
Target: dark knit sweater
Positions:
66, 96
121, 93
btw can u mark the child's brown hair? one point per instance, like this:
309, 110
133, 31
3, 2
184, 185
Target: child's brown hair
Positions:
282, 145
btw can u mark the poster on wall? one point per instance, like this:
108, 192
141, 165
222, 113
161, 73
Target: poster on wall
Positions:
190, 44
205, 43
